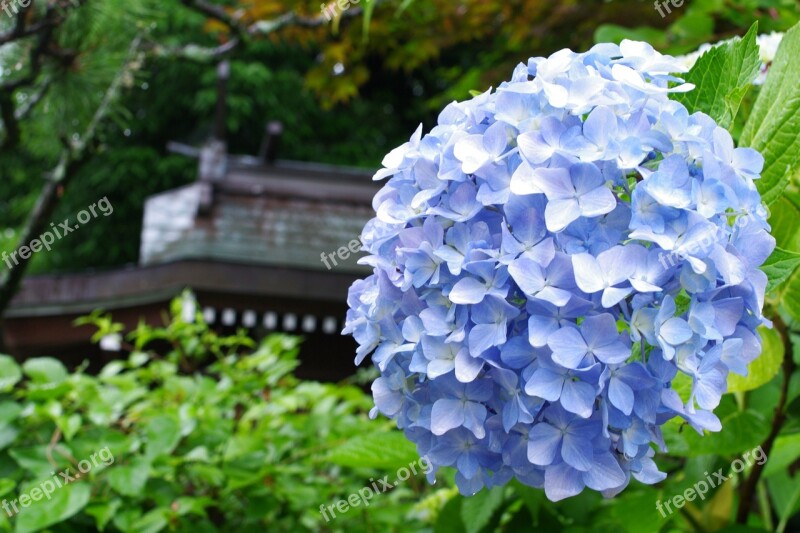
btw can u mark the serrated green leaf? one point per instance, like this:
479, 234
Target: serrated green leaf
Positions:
721, 77
779, 267
385, 451
773, 125
783, 217
762, 369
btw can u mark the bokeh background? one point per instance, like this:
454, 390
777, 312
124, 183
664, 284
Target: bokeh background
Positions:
194, 330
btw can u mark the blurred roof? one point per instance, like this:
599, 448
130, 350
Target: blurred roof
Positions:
286, 214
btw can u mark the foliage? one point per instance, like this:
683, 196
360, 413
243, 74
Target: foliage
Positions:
206, 432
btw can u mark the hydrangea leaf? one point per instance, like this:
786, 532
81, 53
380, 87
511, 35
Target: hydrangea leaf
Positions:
773, 124
764, 368
784, 214
779, 267
721, 77
477, 511
744, 430
383, 451
790, 296
785, 452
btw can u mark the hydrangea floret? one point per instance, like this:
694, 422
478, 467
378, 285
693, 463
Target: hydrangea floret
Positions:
548, 261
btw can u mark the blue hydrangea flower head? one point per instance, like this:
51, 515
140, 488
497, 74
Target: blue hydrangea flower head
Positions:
548, 260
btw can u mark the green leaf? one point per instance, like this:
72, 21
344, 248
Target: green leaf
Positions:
130, 479
403, 6
6, 486
773, 125
10, 373
779, 266
163, 435
477, 510
63, 503
385, 451
785, 451
9, 411
741, 431
783, 217
35, 458
785, 492
103, 512
763, 368
8, 434
69, 425
152, 522
449, 519
369, 7
721, 77
45, 370
790, 296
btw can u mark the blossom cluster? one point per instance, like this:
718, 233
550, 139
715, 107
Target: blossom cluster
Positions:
519, 312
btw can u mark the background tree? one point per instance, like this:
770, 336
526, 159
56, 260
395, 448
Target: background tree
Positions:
84, 114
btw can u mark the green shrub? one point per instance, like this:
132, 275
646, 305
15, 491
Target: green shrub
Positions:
208, 433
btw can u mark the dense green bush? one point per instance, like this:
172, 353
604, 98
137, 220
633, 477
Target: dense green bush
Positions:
215, 434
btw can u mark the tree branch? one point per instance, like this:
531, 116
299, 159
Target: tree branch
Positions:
242, 32
748, 488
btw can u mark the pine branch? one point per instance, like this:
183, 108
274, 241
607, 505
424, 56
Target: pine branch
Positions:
21, 31
72, 157
33, 100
